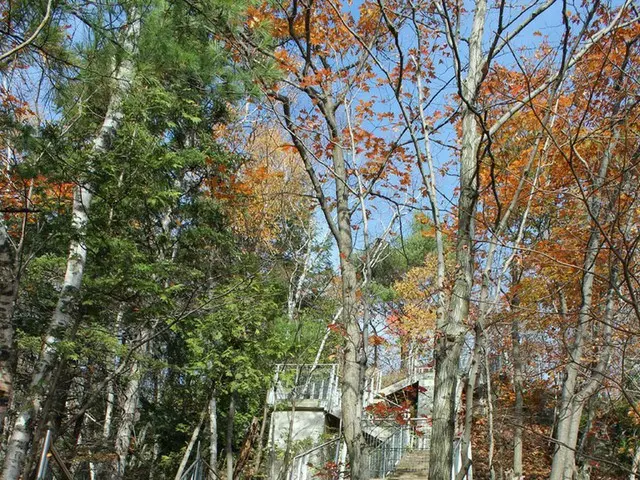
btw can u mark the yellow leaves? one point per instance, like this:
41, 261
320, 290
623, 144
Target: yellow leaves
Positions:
254, 17
416, 292
633, 414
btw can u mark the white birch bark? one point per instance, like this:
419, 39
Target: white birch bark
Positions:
67, 305
7, 289
192, 441
127, 420
230, 420
213, 437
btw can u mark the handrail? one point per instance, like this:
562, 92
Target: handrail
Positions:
281, 365
302, 468
312, 382
385, 456
317, 447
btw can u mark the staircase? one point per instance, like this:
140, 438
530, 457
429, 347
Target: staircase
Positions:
412, 377
404, 449
393, 450
414, 465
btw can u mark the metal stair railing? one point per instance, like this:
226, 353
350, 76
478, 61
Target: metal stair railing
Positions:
306, 382
303, 463
45, 469
383, 457
199, 469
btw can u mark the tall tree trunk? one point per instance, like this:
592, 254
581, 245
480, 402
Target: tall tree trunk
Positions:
110, 396
451, 329
518, 386
354, 358
155, 451
353, 362
10, 272
7, 289
569, 412
230, 420
518, 376
68, 301
572, 400
127, 420
192, 441
354, 355
213, 437
472, 377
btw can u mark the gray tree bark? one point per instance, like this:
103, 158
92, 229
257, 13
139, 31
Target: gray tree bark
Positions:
354, 356
7, 289
518, 386
451, 330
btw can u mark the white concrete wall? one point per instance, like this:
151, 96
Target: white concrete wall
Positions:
306, 425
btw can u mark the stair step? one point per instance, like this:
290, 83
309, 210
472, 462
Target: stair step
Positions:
414, 465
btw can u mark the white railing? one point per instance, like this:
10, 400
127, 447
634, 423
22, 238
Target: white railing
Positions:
422, 369
392, 441
372, 386
326, 455
321, 382
387, 440
307, 382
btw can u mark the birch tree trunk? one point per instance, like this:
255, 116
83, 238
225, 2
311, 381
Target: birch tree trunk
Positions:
68, 301
230, 419
192, 441
128, 417
7, 289
451, 329
213, 437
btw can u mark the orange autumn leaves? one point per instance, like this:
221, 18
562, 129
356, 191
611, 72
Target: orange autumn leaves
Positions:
324, 22
267, 194
21, 197
567, 151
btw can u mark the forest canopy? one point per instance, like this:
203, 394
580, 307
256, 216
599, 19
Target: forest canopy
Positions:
212, 206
